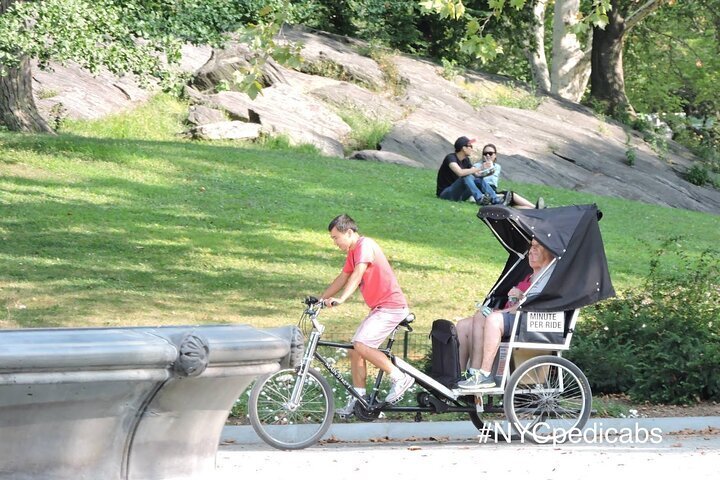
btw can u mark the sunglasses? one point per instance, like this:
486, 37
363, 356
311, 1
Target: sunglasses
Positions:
488, 154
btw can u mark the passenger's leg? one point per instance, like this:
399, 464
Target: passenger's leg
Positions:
479, 379
492, 336
464, 331
478, 339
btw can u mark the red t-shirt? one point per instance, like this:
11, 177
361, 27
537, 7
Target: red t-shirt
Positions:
522, 286
378, 286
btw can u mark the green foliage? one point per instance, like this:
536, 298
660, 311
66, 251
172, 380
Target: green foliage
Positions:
671, 59
450, 69
697, 175
123, 36
330, 69
264, 42
672, 66
160, 119
58, 112
282, 142
366, 132
389, 23
44, 93
391, 75
657, 141
454, 9
335, 16
507, 95
658, 341
606, 407
630, 156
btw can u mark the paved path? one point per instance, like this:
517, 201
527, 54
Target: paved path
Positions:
673, 455
694, 456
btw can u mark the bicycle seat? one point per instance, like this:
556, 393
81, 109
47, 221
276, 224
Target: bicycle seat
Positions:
407, 321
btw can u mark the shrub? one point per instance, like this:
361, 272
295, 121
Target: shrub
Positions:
630, 156
660, 341
698, 175
366, 131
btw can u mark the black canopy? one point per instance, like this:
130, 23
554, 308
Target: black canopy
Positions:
572, 234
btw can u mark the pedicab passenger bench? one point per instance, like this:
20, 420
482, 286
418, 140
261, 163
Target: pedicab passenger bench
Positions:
126, 403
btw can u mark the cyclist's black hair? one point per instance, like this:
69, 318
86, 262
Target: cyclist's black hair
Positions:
343, 223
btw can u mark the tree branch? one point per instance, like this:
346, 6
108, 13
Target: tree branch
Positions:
642, 12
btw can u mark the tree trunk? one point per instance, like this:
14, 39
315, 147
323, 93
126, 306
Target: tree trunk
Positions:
570, 66
607, 80
535, 49
17, 106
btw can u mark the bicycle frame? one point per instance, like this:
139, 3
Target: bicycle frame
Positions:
372, 404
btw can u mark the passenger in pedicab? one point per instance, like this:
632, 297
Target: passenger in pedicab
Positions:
479, 335
556, 262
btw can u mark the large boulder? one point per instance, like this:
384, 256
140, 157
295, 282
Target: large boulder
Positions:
337, 56
282, 109
68, 91
232, 130
344, 95
202, 115
224, 63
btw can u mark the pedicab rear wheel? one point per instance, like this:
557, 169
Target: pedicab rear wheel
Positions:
547, 398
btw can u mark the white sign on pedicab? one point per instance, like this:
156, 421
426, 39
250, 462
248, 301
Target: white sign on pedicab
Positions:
545, 321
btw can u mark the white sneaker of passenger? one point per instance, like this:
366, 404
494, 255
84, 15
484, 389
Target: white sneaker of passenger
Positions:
399, 388
348, 410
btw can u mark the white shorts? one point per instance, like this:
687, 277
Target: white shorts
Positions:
379, 323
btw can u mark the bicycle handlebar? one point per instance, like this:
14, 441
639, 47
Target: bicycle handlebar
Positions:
312, 301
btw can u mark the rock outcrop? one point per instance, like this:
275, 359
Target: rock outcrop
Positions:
554, 143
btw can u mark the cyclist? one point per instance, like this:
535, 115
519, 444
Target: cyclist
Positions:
366, 267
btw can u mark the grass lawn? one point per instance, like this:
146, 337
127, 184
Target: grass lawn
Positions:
121, 222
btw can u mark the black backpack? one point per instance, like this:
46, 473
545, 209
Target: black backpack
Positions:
445, 367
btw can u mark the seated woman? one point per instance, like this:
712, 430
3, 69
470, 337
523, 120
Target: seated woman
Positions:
489, 176
479, 336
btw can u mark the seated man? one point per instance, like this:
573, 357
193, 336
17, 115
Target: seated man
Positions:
479, 336
456, 178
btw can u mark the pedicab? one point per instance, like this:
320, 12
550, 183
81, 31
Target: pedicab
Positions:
543, 395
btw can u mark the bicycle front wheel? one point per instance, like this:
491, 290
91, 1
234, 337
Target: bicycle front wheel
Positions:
285, 426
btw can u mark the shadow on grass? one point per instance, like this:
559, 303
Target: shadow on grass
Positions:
137, 222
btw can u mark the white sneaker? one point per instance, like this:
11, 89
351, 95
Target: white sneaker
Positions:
348, 410
399, 388
477, 381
